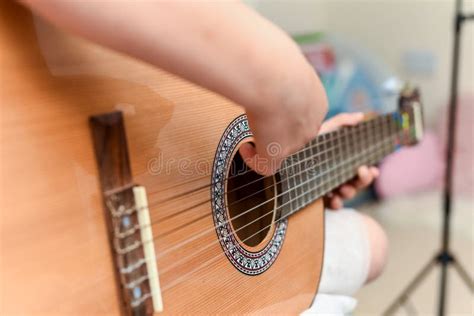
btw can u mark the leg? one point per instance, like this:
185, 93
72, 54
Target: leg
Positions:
378, 246
355, 250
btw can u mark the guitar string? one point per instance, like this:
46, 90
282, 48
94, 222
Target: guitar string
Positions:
149, 294
377, 147
221, 254
210, 184
205, 186
205, 176
142, 261
206, 215
318, 176
305, 161
312, 158
362, 124
322, 185
340, 135
201, 249
302, 171
136, 227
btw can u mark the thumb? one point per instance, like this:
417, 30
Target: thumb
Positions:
259, 163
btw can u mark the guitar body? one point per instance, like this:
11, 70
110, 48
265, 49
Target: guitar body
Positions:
56, 256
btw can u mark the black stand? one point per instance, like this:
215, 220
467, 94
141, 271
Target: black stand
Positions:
445, 257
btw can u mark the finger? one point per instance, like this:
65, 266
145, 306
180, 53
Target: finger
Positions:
344, 119
347, 191
375, 172
327, 199
260, 164
364, 178
336, 202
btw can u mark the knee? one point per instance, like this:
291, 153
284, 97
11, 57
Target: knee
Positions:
378, 246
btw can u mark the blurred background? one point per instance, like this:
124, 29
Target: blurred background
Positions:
364, 51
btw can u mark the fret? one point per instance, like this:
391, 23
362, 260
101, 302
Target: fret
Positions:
370, 133
363, 133
381, 141
285, 200
390, 131
337, 154
394, 130
357, 146
321, 164
306, 169
314, 170
324, 163
299, 179
386, 133
352, 155
368, 130
319, 169
373, 140
353, 152
344, 153
347, 168
293, 178
357, 149
333, 160
291, 172
305, 165
389, 124
385, 136
382, 137
394, 127
384, 127
375, 143
329, 163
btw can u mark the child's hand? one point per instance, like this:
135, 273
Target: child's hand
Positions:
287, 122
365, 176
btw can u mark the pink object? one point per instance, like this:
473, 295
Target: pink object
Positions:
411, 169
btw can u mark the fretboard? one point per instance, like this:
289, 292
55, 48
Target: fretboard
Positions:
333, 158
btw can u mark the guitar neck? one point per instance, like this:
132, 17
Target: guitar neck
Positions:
333, 158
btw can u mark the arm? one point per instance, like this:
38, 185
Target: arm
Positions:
223, 46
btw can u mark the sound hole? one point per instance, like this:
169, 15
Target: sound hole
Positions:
250, 202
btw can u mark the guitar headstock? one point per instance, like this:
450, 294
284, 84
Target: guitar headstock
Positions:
411, 115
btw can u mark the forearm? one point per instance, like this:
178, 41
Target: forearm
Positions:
223, 46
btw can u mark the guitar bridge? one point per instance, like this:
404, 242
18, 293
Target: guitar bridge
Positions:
128, 219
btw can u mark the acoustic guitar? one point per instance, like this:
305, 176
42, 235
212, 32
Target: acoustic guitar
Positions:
122, 190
